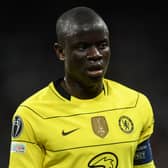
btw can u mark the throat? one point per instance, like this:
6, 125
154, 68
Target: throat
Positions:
82, 92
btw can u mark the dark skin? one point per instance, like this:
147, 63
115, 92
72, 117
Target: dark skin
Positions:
86, 53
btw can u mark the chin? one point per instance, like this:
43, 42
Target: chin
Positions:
97, 78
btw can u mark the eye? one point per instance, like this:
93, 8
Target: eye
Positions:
82, 46
103, 45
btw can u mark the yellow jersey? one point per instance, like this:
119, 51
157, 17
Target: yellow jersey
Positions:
52, 129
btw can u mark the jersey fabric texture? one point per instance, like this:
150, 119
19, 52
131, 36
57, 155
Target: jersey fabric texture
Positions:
52, 129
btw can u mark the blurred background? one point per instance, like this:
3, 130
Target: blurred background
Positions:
139, 59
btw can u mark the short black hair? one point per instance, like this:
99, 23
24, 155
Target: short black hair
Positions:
75, 16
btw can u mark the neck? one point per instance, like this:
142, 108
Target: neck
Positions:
82, 91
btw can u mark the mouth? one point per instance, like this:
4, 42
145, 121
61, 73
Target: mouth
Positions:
95, 71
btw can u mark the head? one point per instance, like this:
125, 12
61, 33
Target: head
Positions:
83, 44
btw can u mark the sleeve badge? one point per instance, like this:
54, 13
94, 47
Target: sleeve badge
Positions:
17, 126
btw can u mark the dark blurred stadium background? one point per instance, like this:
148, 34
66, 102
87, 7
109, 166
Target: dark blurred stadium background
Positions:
139, 59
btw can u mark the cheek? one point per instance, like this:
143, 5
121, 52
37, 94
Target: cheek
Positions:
107, 55
77, 58
74, 63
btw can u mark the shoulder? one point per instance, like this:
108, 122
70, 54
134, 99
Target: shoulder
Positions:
113, 85
118, 89
126, 94
37, 101
38, 95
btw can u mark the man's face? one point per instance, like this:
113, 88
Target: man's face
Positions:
87, 53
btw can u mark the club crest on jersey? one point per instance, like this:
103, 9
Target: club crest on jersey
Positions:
106, 160
99, 126
17, 126
126, 124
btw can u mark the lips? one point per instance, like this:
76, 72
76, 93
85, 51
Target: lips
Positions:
95, 69
95, 73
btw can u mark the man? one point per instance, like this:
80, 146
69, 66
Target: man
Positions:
83, 120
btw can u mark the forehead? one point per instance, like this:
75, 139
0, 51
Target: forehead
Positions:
94, 31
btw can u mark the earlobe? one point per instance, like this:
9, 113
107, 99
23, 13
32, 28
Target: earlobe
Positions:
58, 49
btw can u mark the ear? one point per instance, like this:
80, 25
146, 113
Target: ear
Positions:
58, 49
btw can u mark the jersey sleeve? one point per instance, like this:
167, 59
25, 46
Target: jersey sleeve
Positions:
147, 119
25, 150
143, 155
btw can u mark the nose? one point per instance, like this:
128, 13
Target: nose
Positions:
94, 53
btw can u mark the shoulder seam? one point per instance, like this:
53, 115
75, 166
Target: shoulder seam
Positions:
25, 142
134, 106
32, 110
137, 99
